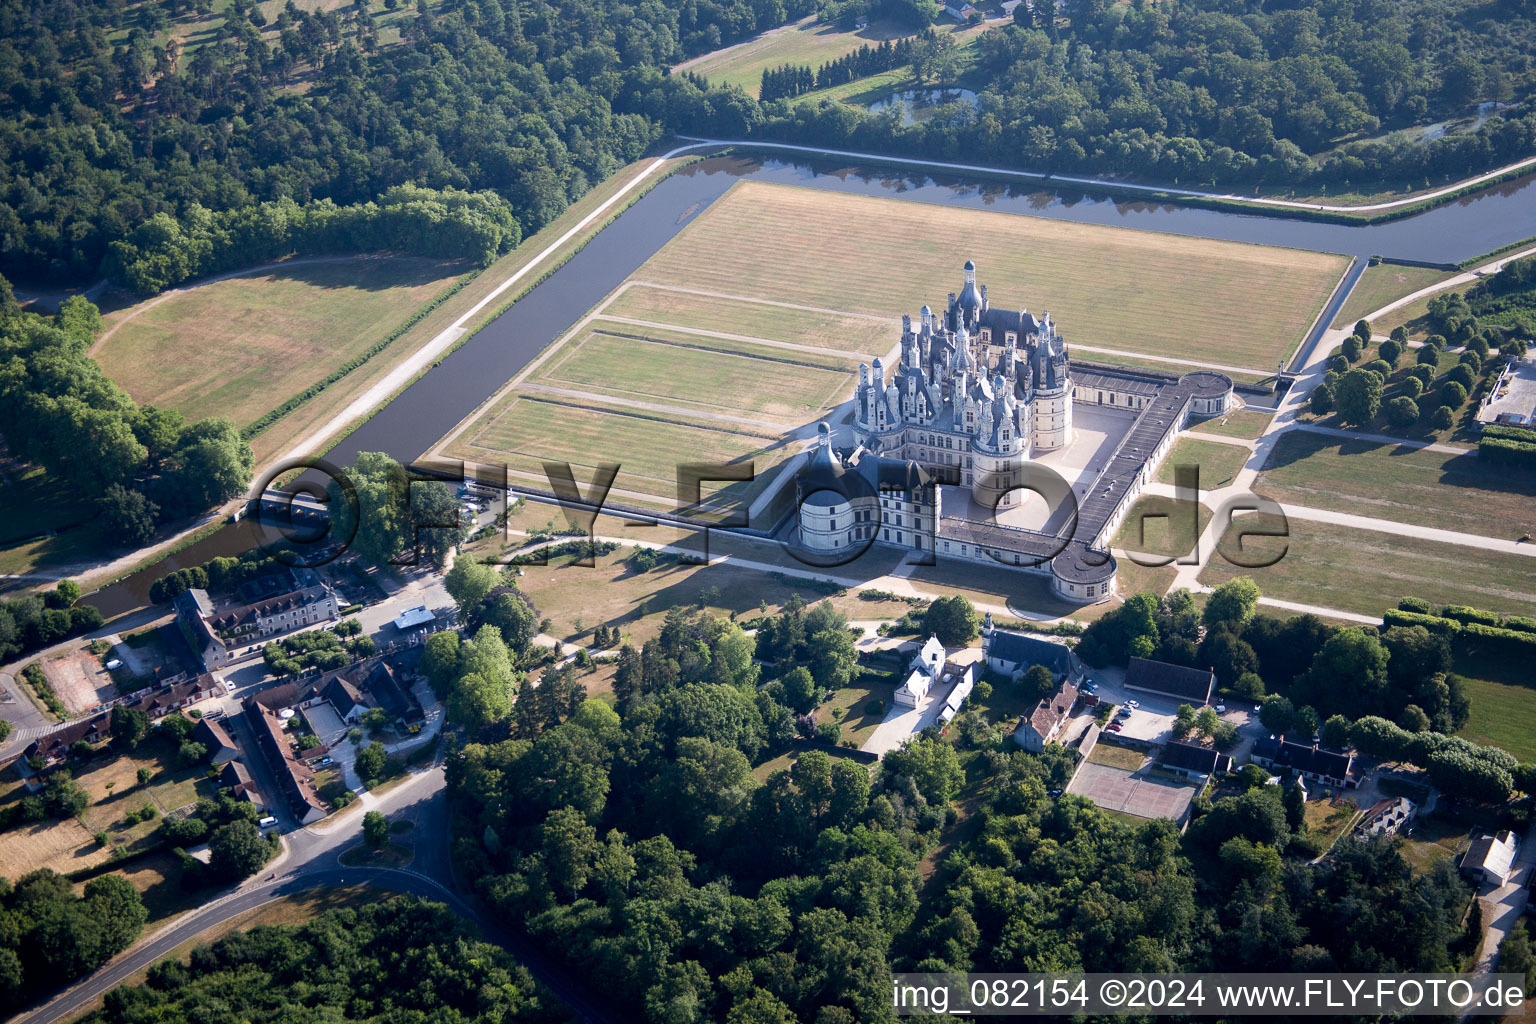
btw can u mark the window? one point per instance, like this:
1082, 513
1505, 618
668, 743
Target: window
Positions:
885, 534
834, 524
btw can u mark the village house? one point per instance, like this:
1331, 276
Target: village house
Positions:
1008, 653
1310, 761
1491, 859
295, 779
222, 748
236, 778
1045, 724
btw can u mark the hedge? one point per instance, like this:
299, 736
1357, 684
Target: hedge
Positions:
1462, 613
1433, 623
1414, 604
1509, 432
1507, 451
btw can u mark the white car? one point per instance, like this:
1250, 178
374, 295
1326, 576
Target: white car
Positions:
1221, 709
229, 684
1133, 703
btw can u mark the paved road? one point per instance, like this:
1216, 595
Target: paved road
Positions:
310, 861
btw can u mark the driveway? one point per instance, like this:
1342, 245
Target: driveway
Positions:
902, 723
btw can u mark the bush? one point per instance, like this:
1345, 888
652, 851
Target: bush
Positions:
829, 732
875, 707
1414, 604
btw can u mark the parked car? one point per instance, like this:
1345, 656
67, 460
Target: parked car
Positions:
325, 762
1053, 793
1221, 709
229, 684
1133, 703
1257, 709
1123, 713
1112, 727
267, 822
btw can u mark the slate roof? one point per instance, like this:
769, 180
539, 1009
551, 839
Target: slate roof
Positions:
1304, 757
1049, 713
1194, 758
1192, 684
1024, 650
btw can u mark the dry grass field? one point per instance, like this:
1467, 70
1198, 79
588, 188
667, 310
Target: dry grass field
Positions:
242, 346
867, 335
1367, 572
725, 378
525, 430
1107, 287
1427, 488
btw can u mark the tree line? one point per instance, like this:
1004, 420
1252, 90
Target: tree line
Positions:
142, 465
395, 959
790, 80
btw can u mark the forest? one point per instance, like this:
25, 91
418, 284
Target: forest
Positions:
121, 154
397, 960
635, 842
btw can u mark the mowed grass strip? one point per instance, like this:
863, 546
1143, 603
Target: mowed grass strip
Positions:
1218, 463
240, 347
526, 431
1140, 291
733, 383
707, 341
1366, 572
836, 331
1426, 488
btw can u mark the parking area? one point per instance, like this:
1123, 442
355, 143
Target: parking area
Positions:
1116, 789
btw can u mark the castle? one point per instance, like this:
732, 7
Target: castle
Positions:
979, 394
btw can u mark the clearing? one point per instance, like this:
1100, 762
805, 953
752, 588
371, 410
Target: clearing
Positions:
1218, 463
1244, 423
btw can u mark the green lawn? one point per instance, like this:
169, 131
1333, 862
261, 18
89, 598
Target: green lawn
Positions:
1384, 283
1117, 757
850, 708
1367, 572
1326, 822
32, 503
1160, 526
1218, 463
1427, 488
1245, 423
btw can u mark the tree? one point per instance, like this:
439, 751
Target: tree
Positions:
118, 909
1336, 732
129, 726
1402, 411
1321, 400
1349, 674
932, 765
1277, 714
1357, 397
237, 850
1184, 721
1036, 683
1363, 330
212, 464
371, 763
1207, 721
1352, 348
1390, 351
190, 753
1453, 395
469, 581
511, 614
800, 691
1232, 604
440, 660
1442, 418
833, 657
127, 517
144, 775
953, 620
375, 829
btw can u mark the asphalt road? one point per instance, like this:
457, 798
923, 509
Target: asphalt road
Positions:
311, 861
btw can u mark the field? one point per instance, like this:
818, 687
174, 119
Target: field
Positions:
1433, 840
1218, 463
1326, 821
1245, 423
1367, 572
242, 346
891, 256
1427, 488
1384, 283
1156, 525
1503, 703
803, 42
